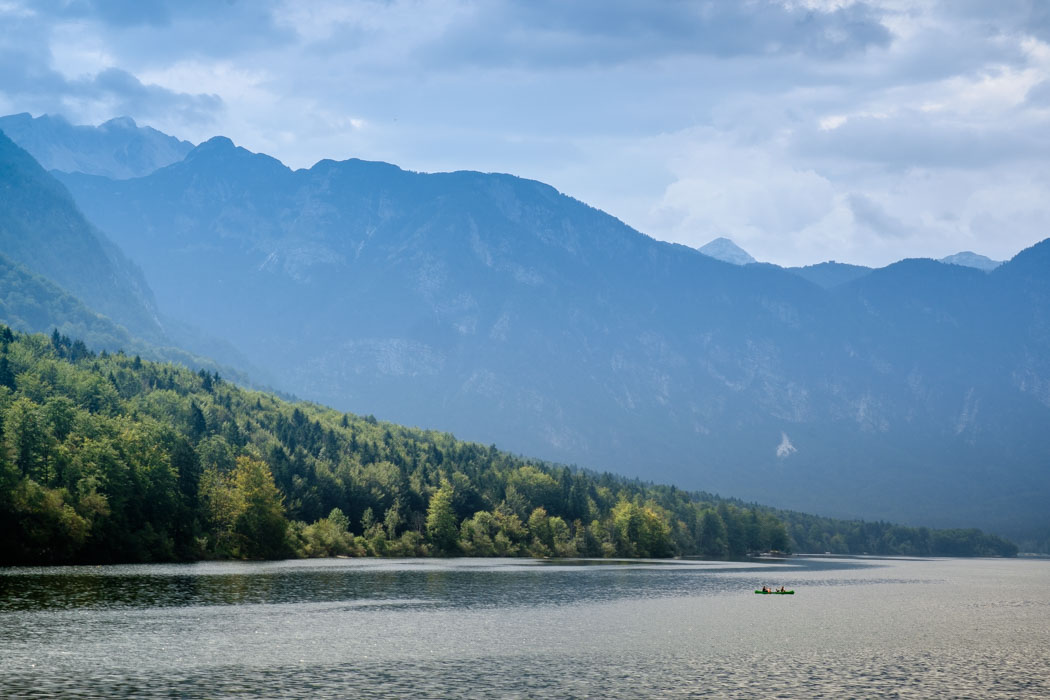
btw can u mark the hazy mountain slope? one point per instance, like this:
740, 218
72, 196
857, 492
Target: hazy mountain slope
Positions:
830, 274
970, 259
118, 148
433, 298
502, 310
31, 303
1022, 286
41, 228
58, 271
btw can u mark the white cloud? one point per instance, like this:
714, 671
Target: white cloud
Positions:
832, 121
785, 448
743, 192
802, 129
76, 53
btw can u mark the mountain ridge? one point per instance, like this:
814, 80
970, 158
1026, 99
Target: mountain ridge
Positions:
968, 258
42, 228
117, 148
500, 309
58, 272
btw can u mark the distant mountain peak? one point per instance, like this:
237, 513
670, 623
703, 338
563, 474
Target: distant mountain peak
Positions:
218, 142
222, 150
119, 123
118, 148
968, 258
725, 250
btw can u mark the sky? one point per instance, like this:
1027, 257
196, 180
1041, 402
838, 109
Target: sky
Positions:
804, 130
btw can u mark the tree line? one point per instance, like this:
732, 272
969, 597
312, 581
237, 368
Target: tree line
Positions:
106, 457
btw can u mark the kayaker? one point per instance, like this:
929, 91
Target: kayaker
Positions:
765, 589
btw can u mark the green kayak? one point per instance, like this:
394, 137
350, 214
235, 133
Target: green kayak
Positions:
775, 592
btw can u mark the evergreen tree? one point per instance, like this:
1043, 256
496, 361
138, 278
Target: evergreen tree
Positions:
713, 539
7, 377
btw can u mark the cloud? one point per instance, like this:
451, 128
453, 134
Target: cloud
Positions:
611, 32
785, 448
35, 87
1039, 94
129, 96
913, 139
1027, 17
738, 190
31, 82
116, 12
801, 129
870, 214
155, 31
151, 13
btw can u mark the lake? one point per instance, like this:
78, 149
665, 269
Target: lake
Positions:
525, 628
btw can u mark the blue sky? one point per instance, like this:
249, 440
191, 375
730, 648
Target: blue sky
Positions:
804, 130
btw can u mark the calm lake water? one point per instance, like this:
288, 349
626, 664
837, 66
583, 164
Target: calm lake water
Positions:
511, 628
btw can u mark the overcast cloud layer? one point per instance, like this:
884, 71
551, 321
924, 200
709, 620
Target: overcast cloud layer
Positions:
804, 130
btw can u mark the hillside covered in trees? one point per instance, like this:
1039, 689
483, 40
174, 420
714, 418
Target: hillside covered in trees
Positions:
107, 458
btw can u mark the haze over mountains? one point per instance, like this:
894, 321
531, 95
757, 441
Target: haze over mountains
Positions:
831, 273
968, 258
59, 271
506, 312
118, 148
41, 228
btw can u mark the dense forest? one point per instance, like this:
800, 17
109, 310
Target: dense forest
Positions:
111, 458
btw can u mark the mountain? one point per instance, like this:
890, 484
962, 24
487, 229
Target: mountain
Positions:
42, 228
484, 304
970, 259
118, 148
830, 274
57, 271
31, 303
507, 312
725, 250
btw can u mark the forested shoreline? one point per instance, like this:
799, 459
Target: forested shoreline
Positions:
110, 458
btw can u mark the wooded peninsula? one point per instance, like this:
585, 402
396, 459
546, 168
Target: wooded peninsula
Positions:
110, 458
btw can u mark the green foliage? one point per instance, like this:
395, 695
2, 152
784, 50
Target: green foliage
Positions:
441, 520
112, 458
328, 537
714, 539
260, 522
811, 533
640, 531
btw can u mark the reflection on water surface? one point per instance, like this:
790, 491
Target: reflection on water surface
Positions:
524, 628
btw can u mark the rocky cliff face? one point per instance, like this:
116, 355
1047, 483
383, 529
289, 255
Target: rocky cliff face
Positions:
507, 312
